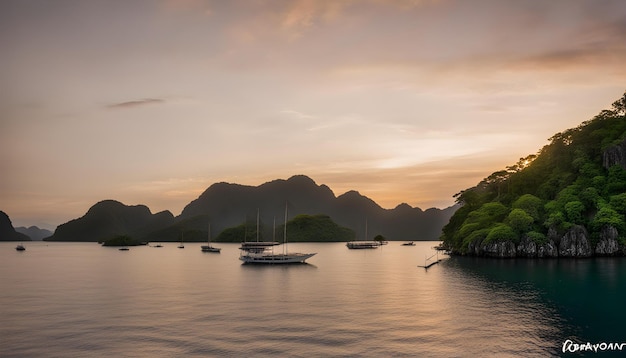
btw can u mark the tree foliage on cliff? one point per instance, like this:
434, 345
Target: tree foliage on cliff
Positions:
567, 183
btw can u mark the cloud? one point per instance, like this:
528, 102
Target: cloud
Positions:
136, 103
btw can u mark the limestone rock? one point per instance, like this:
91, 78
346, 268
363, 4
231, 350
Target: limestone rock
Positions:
549, 249
607, 245
527, 248
575, 243
615, 155
504, 249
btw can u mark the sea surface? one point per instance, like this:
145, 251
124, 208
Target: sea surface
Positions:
84, 300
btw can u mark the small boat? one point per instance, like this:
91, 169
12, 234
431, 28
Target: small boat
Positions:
262, 252
410, 243
363, 244
208, 247
20, 247
158, 245
366, 244
123, 249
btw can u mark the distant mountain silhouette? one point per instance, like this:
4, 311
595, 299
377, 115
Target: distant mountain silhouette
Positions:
7, 231
111, 218
34, 232
227, 205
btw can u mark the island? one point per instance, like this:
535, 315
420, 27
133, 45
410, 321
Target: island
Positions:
568, 200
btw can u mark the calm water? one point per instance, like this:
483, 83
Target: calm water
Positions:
80, 299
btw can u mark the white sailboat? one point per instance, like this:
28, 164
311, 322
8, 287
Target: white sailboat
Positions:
263, 252
208, 247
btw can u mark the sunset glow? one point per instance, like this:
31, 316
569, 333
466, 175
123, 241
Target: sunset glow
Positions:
151, 102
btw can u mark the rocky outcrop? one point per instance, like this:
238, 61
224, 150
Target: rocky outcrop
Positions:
607, 245
575, 243
502, 249
615, 155
473, 248
527, 248
549, 249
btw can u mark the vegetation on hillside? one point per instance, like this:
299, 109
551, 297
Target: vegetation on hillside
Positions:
302, 228
565, 184
121, 240
317, 228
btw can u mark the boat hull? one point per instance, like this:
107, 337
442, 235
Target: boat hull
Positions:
363, 245
206, 248
274, 259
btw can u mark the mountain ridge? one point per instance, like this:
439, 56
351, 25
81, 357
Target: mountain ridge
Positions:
227, 205
35, 233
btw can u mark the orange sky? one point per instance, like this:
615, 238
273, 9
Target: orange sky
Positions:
150, 102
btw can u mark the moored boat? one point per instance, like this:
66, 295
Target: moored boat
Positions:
262, 252
363, 244
208, 247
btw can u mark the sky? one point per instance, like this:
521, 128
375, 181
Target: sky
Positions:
405, 101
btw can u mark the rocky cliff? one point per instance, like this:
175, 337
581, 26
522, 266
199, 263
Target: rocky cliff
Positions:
575, 242
615, 155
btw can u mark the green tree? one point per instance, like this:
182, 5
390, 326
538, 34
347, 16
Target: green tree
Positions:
618, 203
574, 210
501, 232
519, 221
531, 204
606, 216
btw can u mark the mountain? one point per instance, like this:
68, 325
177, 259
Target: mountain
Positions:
228, 205
569, 200
34, 232
7, 231
110, 218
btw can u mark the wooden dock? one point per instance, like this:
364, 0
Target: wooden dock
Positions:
430, 264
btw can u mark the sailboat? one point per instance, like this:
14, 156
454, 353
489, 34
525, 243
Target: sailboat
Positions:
208, 247
263, 252
367, 244
181, 246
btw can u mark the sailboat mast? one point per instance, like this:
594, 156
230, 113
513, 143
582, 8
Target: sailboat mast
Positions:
257, 225
285, 232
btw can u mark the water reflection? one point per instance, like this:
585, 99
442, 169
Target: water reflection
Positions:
567, 299
65, 299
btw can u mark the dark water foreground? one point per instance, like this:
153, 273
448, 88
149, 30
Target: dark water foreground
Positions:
80, 299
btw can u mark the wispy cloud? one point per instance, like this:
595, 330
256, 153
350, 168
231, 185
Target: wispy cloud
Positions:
136, 103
